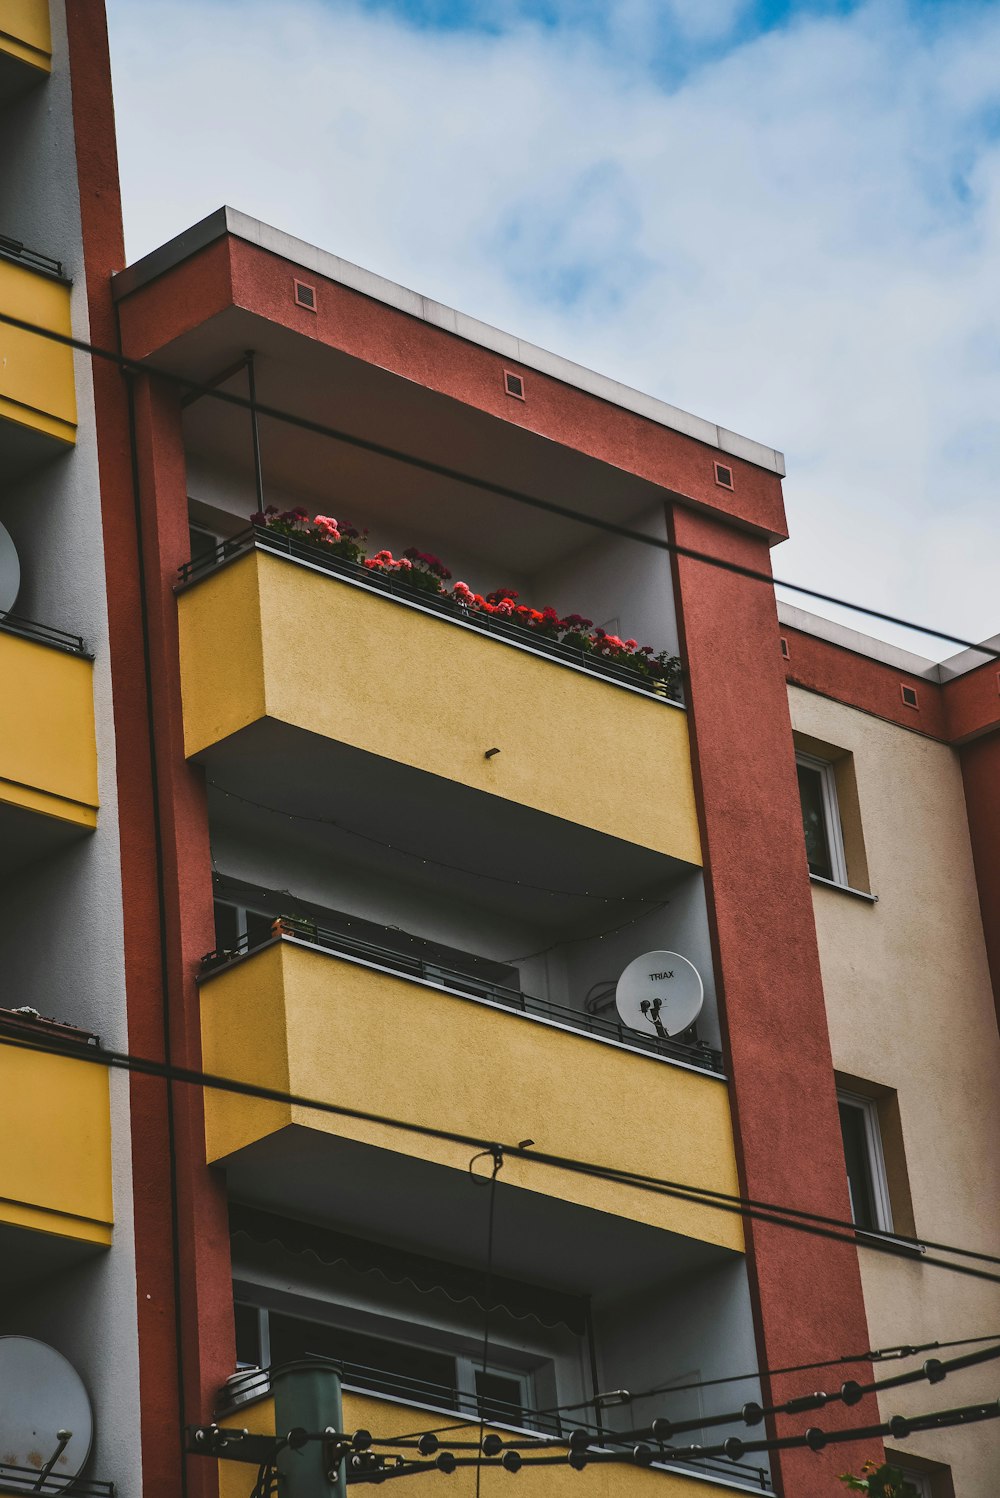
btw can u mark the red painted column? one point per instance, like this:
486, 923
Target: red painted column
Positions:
207, 1333
807, 1290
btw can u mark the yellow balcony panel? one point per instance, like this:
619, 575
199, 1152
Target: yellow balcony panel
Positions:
268, 641
25, 46
55, 1182
48, 751
37, 391
302, 1020
389, 1417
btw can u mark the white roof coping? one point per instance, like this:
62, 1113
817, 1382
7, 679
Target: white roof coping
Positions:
881, 650
322, 263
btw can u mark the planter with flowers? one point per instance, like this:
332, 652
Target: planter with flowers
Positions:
424, 575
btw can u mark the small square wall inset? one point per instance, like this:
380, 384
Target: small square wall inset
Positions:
909, 696
305, 295
724, 476
513, 384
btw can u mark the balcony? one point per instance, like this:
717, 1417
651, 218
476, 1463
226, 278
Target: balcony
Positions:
25, 47
366, 1407
55, 1187
48, 752
479, 1065
37, 390
312, 672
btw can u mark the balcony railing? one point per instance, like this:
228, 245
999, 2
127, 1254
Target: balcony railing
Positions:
698, 1054
262, 537
45, 634
26, 1480
255, 1384
33, 259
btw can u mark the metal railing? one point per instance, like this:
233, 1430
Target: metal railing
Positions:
45, 634
26, 1480
15, 249
263, 538
464, 984
451, 1400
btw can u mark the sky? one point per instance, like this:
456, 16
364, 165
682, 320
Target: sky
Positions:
782, 215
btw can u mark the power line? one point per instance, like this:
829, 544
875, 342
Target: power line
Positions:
850, 1393
625, 1396
440, 470
777, 1215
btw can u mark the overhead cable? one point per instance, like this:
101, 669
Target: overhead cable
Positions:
777, 1215
502, 491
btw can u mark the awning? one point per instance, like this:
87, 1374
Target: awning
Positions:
399, 1267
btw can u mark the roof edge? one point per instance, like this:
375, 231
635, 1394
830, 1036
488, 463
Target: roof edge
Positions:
880, 650
230, 221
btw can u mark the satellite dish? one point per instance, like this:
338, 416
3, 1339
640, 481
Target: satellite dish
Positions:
660, 993
10, 573
44, 1414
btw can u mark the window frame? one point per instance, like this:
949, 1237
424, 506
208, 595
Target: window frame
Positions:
831, 816
875, 1157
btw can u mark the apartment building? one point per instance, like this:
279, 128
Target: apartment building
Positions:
363, 835
67, 1256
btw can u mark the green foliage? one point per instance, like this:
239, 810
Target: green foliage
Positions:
885, 1481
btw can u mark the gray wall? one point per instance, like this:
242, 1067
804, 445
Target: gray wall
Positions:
61, 942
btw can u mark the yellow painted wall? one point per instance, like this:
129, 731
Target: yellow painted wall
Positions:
910, 1008
55, 1160
36, 375
287, 1016
384, 1418
25, 32
48, 752
267, 636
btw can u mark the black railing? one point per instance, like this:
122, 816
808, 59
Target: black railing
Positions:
45, 634
451, 1400
387, 583
14, 249
697, 1053
26, 1480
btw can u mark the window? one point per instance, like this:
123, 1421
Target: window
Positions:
821, 818
866, 1177
383, 1364
203, 543
234, 922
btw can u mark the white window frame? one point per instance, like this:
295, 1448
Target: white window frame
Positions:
831, 814
920, 1480
876, 1159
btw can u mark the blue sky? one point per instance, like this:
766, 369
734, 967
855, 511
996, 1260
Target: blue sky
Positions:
782, 216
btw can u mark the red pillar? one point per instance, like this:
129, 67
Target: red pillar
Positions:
207, 1336
807, 1290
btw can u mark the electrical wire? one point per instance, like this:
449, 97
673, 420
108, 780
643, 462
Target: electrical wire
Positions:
871, 1355
780, 1216
440, 470
850, 1393
454, 868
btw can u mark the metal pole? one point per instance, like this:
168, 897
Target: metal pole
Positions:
307, 1397
258, 471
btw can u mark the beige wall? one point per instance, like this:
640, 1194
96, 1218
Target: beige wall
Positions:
910, 1008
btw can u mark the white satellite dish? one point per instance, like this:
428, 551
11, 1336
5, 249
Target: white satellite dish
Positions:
660, 993
44, 1414
10, 573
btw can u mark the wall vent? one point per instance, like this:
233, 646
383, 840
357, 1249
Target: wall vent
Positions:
724, 476
784, 647
513, 384
305, 295
909, 696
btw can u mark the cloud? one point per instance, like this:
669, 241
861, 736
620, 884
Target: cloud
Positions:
794, 234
